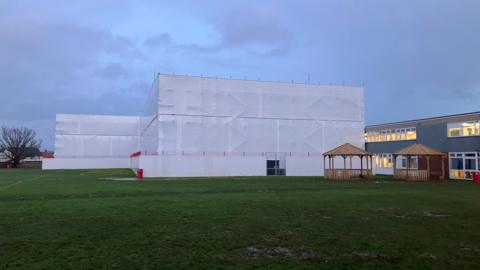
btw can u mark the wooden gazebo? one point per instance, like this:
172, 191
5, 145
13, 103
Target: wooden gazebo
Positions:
431, 164
347, 151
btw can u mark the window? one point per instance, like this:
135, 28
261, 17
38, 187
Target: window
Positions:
470, 164
463, 161
454, 132
413, 163
471, 128
411, 134
456, 164
383, 161
388, 135
464, 164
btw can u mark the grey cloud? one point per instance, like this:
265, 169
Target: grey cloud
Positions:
244, 26
231, 64
405, 53
160, 40
112, 71
47, 67
30, 45
260, 31
197, 49
280, 50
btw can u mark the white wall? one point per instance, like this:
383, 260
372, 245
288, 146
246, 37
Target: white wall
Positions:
85, 163
304, 166
184, 166
95, 136
149, 122
94, 141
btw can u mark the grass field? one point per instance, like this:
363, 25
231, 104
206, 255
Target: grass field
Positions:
78, 220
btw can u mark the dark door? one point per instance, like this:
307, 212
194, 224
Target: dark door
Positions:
276, 164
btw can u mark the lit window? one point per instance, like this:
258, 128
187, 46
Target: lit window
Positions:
463, 129
469, 129
383, 161
387, 135
454, 132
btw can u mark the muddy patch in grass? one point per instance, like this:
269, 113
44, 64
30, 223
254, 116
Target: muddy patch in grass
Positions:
366, 255
427, 255
469, 248
252, 252
428, 213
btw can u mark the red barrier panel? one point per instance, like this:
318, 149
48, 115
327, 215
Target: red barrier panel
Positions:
140, 173
136, 154
476, 177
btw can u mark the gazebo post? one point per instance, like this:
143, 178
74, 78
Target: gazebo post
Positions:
408, 165
333, 167
371, 165
361, 166
442, 158
328, 175
368, 166
366, 157
344, 167
428, 167
394, 165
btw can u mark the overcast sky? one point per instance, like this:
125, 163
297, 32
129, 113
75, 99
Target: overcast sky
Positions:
415, 58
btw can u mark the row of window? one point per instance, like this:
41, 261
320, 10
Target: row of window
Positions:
387, 135
458, 161
462, 164
459, 129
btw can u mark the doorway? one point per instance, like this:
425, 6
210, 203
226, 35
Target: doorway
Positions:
276, 163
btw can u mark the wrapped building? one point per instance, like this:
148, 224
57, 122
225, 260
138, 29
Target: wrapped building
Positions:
199, 126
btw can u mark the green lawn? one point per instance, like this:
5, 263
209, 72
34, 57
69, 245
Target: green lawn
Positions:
78, 220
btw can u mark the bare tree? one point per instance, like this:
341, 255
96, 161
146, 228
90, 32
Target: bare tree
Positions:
18, 144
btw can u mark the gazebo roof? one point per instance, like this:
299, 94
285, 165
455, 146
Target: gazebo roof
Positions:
347, 150
418, 150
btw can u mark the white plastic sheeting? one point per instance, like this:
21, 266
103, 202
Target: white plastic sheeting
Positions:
94, 141
189, 166
209, 114
197, 126
85, 163
96, 136
212, 127
149, 136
